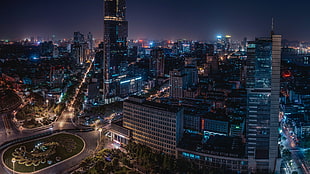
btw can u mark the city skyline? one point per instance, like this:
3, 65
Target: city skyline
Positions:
132, 86
197, 20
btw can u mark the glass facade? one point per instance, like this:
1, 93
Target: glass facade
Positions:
262, 82
236, 165
115, 45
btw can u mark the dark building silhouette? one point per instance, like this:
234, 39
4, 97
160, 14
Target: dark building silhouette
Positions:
115, 46
157, 63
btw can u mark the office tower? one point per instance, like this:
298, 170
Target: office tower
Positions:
98, 58
227, 43
157, 63
178, 83
56, 76
90, 41
55, 52
191, 73
199, 51
244, 43
183, 79
263, 85
223, 44
156, 125
77, 53
209, 49
220, 45
132, 54
78, 37
115, 46
79, 48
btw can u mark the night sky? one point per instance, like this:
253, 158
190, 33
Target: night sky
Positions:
158, 19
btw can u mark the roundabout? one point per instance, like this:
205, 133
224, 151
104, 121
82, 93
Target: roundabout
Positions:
39, 154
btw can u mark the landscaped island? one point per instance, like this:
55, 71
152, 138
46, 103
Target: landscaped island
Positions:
41, 153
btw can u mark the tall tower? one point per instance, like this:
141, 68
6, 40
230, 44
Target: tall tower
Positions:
263, 86
78, 37
78, 49
115, 46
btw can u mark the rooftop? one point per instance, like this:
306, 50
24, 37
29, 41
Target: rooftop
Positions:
215, 145
154, 105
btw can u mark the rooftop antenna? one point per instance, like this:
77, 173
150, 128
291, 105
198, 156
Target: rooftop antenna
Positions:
272, 26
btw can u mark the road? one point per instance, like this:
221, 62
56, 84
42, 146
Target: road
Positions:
66, 119
64, 122
163, 92
3, 127
299, 163
90, 139
7, 130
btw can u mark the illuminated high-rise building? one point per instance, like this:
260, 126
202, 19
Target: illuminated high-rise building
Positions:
90, 41
223, 43
178, 83
78, 49
78, 37
263, 88
115, 46
157, 63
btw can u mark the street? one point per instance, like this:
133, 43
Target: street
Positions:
65, 122
299, 164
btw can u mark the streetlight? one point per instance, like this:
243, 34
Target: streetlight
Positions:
100, 130
51, 128
13, 161
47, 103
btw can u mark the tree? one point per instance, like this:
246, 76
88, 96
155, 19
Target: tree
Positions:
181, 165
108, 168
92, 171
59, 108
125, 161
100, 165
115, 162
84, 164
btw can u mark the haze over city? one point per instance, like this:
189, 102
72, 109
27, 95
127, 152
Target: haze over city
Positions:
157, 19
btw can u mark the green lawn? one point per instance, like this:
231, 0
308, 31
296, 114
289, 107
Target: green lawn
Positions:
53, 149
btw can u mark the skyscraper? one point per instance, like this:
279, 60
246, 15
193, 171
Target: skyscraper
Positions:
90, 41
79, 48
115, 46
78, 37
263, 86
